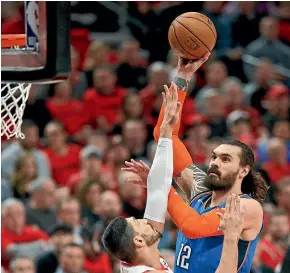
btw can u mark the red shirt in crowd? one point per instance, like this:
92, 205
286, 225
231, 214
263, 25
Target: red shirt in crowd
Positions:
277, 172
71, 114
63, 166
270, 254
100, 265
29, 235
108, 106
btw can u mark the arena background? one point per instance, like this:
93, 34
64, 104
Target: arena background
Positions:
107, 110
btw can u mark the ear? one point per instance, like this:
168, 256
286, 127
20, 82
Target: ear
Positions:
245, 170
139, 241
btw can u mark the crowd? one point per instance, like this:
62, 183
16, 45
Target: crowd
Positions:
62, 184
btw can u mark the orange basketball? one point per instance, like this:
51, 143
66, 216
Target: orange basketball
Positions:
192, 35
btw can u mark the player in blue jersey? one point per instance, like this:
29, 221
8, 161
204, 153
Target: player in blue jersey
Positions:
231, 170
135, 241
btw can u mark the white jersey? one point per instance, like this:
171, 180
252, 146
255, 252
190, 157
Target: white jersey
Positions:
129, 268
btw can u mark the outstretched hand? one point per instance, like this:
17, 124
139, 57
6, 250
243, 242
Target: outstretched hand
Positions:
186, 68
171, 105
139, 168
232, 221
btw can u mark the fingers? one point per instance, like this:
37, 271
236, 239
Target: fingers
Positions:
220, 215
228, 204
178, 107
131, 170
144, 165
233, 203
238, 205
205, 57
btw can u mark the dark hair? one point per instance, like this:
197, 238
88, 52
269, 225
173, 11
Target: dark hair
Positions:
28, 123
69, 246
60, 228
82, 191
253, 183
118, 239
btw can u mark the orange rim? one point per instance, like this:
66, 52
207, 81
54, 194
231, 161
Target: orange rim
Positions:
10, 40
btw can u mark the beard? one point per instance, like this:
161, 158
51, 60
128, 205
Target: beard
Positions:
218, 182
152, 239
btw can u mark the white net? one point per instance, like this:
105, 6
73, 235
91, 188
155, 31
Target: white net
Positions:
13, 102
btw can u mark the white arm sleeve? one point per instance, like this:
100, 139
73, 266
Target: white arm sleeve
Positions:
159, 181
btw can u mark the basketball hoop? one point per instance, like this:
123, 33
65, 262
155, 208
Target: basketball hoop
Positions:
13, 95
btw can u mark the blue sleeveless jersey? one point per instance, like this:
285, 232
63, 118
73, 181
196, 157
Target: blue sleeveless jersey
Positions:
203, 255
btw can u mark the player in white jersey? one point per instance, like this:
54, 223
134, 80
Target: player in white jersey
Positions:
135, 241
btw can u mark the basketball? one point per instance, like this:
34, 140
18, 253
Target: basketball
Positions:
191, 35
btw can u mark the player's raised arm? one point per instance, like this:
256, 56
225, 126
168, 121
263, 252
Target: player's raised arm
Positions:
232, 226
160, 175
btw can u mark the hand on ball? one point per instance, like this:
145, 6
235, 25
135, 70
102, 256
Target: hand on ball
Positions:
186, 68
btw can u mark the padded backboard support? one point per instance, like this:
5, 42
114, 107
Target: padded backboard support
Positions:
50, 60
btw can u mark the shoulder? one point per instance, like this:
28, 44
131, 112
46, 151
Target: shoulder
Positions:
90, 93
253, 213
252, 205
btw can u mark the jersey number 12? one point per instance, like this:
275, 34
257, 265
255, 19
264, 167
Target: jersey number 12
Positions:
183, 256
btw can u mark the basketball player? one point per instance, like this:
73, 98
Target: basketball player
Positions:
135, 242
230, 171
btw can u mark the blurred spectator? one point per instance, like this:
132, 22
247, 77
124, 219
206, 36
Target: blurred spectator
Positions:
17, 238
268, 46
40, 209
132, 108
283, 194
256, 90
99, 140
246, 19
22, 265
17, 148
132, 197
104, 101
271, 249
284, 24
212, 9
134, 136
89, 196
277, 103
97, 55
71, 259
235, 100
78, 79
68, 212
158, 75
59, 235
131, 72
96, 261
110, 208
24, 176
281, 130
213, 110
197, 140
277, 167
239, 126
91, 166
216, 74
68, 111
64, 157
116, 155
